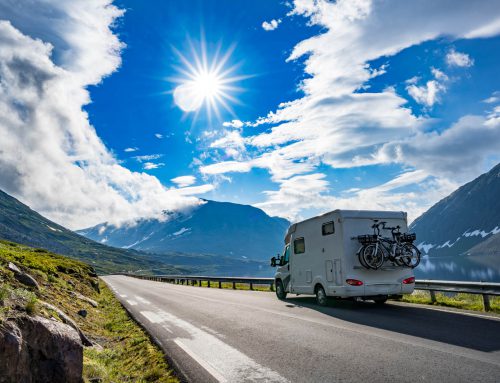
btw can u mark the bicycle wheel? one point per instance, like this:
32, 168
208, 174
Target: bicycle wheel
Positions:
399, 254
411, 257
360, 257
373, 256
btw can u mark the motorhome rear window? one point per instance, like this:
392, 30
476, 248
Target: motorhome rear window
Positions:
299, 246
328, 228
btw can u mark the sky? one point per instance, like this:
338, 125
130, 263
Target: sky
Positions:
111, 111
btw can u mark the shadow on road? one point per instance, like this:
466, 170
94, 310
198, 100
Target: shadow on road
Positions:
467, 331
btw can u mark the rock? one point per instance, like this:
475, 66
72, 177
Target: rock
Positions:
84, 298
27, 280
22, 277
36, 349
66, 319
82, 313
13, 268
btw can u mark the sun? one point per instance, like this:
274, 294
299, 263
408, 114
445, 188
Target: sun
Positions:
206, 84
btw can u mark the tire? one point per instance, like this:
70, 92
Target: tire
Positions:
374, 261
280, 290
412, 259
321, 297
398, 259
380, 301
360, 257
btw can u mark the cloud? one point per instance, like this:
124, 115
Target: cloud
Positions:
129, 150
184, 181
271, 25
233, 124
454, 58
50, 156
152, 165
339, 122
148, 157
159, 136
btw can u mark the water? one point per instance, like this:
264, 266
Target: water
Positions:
460, 268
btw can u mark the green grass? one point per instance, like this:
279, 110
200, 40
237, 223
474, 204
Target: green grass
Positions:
125, 352
459, 301
239, 286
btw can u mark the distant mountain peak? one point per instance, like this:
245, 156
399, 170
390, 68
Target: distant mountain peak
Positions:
463, 219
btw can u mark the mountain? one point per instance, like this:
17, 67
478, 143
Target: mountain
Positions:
216, 228
463, 220
18, 223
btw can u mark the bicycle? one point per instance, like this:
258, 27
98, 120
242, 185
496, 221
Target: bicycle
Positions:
376, 250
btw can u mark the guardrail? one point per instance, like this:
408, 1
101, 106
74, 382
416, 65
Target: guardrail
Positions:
482, 288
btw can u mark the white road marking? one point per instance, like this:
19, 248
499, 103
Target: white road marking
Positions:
123, 295
131, 302
152, 317
227, 364
142, 300
212, 371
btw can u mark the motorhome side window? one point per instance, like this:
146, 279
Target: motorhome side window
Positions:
328, 228
286, 256
299, 246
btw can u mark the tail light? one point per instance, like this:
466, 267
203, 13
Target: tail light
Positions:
409, 281
353, 282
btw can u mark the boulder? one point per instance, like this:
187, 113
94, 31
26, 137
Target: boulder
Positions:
82, 313
22, 277
84, 298
36, 349
27, 280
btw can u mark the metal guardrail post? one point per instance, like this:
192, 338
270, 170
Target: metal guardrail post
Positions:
486, 302
234, 285
208, 283
433, 296
220, 285
251, 286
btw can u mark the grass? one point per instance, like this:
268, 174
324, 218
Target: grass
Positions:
239, 286
125, 353
459, 301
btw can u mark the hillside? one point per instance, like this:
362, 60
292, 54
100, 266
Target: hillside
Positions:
464, 219
82, 331
217, 228
18, 223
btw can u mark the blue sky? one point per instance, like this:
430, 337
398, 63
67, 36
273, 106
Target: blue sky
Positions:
347, 104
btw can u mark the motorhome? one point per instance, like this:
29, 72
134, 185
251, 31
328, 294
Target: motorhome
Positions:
320, 257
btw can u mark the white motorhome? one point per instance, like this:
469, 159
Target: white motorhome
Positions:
320, 257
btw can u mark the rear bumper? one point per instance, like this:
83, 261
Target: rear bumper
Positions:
370, 290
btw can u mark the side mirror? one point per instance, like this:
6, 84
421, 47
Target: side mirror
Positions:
273, 262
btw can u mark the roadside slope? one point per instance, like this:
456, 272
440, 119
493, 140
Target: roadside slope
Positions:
122, 350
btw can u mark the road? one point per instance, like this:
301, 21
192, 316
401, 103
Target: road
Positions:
224, 335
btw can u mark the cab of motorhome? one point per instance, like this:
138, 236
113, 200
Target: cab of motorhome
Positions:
320, 257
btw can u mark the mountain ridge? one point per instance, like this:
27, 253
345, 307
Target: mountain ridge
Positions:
462, 220
219, 228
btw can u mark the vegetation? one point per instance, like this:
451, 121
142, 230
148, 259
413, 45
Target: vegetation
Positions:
459, 301
123, 351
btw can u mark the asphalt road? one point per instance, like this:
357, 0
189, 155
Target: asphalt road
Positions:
246, 336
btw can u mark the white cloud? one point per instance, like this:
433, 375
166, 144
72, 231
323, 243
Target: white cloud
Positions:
430, 93
50, 156
148, 157
159, 136
152, 165
454, 58
271, 25
335, 124
233, 124
184, 181
129, 150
